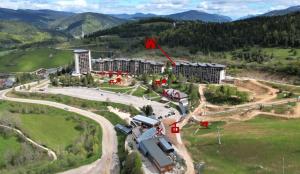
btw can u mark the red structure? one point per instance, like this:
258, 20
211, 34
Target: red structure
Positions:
158, 131
150, 43
111, 73
157, 83
174, 128
173, 94
204, 124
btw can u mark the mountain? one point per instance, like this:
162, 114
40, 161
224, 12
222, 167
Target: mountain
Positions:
246, 17
133, 16
38, 18
283, 11
15, 33
187, 15
198, 15
86, 23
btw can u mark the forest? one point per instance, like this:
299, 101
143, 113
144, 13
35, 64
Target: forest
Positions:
275, 31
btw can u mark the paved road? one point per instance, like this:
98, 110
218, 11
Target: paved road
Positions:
49, 151
100, 95
105, 165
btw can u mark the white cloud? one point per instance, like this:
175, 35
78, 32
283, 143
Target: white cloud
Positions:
238, 8
232, 8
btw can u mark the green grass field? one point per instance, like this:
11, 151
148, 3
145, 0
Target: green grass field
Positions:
8, 144
33, 59
52, 130
62, 131
281, 109
139, 92
95, 106
291, 88
255, 146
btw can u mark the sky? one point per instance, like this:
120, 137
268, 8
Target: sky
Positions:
231, 8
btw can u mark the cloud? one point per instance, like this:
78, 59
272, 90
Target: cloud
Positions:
232, 8
164, 6
238, 8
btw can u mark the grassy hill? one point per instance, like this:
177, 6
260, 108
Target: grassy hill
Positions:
76, 140
199, 15
254, 146
37, 18
33, 59
13, 33
86, 22
268, 44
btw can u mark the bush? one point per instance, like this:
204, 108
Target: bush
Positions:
133, 164
225, 94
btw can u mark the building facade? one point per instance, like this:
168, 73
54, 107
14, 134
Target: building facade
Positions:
204, 72
83, 61
132, 66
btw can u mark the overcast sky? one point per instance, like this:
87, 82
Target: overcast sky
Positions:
232, 8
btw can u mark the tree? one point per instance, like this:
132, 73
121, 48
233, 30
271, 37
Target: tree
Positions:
147, 110
145, 78
181, 78
133, 164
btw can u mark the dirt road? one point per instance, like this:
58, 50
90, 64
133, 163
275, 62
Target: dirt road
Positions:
50, 152
105, 165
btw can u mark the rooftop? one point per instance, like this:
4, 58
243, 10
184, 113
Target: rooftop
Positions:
145, 120
123, 128
80, 51
150, 133
150, 146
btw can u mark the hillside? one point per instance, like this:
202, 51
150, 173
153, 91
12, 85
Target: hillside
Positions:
33, 59
141, 28
276, 31
86, 22
283, 11
13, 33
199, 15
134, 16
38, 18
268, 44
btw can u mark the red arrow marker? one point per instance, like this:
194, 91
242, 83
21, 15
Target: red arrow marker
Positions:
150, 43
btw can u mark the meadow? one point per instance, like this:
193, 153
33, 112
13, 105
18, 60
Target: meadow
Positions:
63, 132
255, 146
33, 59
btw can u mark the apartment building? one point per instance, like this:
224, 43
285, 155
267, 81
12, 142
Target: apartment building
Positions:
83, 64
132, 66
204, 72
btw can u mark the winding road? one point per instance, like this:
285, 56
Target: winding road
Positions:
109, 158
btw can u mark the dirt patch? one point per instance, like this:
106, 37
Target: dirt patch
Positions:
259, 91
263, 75
297, 110
171, 136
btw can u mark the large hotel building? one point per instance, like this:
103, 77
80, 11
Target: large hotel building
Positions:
83, 61
204, 72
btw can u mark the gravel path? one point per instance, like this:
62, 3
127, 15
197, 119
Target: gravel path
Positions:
50, 152
109, 158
